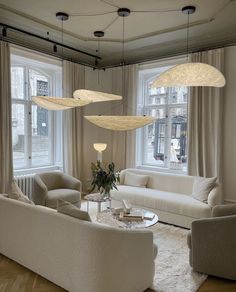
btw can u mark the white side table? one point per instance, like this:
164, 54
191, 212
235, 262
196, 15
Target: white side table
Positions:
97, 198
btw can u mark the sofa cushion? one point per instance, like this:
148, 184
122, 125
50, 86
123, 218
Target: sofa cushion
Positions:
71, 210
136, 180
164, 201
202, 187
17, 194
68, 195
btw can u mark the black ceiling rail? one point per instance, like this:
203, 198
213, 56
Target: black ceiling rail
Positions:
48, 40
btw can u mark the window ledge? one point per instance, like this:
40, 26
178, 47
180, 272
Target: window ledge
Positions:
26, 171
162, 169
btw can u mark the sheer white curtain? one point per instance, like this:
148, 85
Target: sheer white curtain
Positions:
6, 165
205, 113
124, 143
73, 78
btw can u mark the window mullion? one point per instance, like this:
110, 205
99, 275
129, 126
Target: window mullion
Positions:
166, 152
28, 121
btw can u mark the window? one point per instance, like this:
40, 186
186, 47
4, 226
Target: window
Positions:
163, 143
36, 132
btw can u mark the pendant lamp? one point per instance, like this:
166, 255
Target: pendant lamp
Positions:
190, 74
121, 123
59, 103
91, 95
95, 96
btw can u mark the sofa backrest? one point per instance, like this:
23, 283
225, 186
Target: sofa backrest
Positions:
182, 184
52, 180
68, 251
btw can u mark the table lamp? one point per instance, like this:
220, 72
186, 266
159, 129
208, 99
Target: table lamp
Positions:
99, 147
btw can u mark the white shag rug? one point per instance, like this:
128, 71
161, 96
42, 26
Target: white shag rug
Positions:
172, 270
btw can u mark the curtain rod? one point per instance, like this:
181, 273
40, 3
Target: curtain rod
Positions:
18, 44
48, 40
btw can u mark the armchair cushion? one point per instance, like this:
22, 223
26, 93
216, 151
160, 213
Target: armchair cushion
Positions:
68, 195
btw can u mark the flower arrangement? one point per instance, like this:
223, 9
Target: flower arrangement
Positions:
104, 177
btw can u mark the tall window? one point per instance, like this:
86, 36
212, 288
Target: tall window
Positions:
36, 131
163, 143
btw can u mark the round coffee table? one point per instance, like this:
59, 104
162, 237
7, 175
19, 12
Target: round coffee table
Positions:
97, 198
106, 217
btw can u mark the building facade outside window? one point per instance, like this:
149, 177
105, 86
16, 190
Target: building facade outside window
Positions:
36, 132
162, 144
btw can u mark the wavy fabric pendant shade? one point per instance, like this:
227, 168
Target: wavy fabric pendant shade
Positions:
95, 96
120, 123
58, 103
190, 74
117, 123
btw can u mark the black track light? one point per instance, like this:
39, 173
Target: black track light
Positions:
55, 48
4, 31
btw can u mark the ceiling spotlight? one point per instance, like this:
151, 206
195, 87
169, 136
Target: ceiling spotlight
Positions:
4, 31
55, 48
99, 33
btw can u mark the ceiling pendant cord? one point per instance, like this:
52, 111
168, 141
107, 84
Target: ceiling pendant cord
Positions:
62, 54
123, 57
98, 53
188, 37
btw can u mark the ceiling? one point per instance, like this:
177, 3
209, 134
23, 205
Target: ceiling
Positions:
147, 35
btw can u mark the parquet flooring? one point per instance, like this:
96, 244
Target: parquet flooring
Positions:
16, 278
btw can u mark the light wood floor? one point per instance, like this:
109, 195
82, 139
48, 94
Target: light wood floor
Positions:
16, 278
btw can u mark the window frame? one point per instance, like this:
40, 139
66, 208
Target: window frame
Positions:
146, 73
38, 63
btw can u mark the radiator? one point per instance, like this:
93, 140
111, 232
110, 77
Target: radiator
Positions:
25, 183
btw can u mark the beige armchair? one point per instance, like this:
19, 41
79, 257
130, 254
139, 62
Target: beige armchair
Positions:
212, 243
51, 186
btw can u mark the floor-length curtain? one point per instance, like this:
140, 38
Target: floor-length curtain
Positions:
205, 113
6, 165
124, 143
73, 78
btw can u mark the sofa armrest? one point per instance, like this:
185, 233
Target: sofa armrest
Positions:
122, 177
224, 210
213, 244
40, 191
215, 197
71, 182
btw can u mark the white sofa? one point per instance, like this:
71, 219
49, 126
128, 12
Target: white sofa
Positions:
77, 255
169, 196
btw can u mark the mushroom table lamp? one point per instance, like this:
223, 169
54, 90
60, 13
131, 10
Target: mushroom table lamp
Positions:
99, 147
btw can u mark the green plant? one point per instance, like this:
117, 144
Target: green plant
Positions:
104, 177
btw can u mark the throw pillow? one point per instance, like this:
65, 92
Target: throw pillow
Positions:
136, 180
71, 210
17, 194
202, 187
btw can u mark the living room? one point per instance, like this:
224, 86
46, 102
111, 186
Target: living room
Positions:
117, 145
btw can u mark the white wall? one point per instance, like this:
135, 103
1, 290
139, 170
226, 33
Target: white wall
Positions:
229, 128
